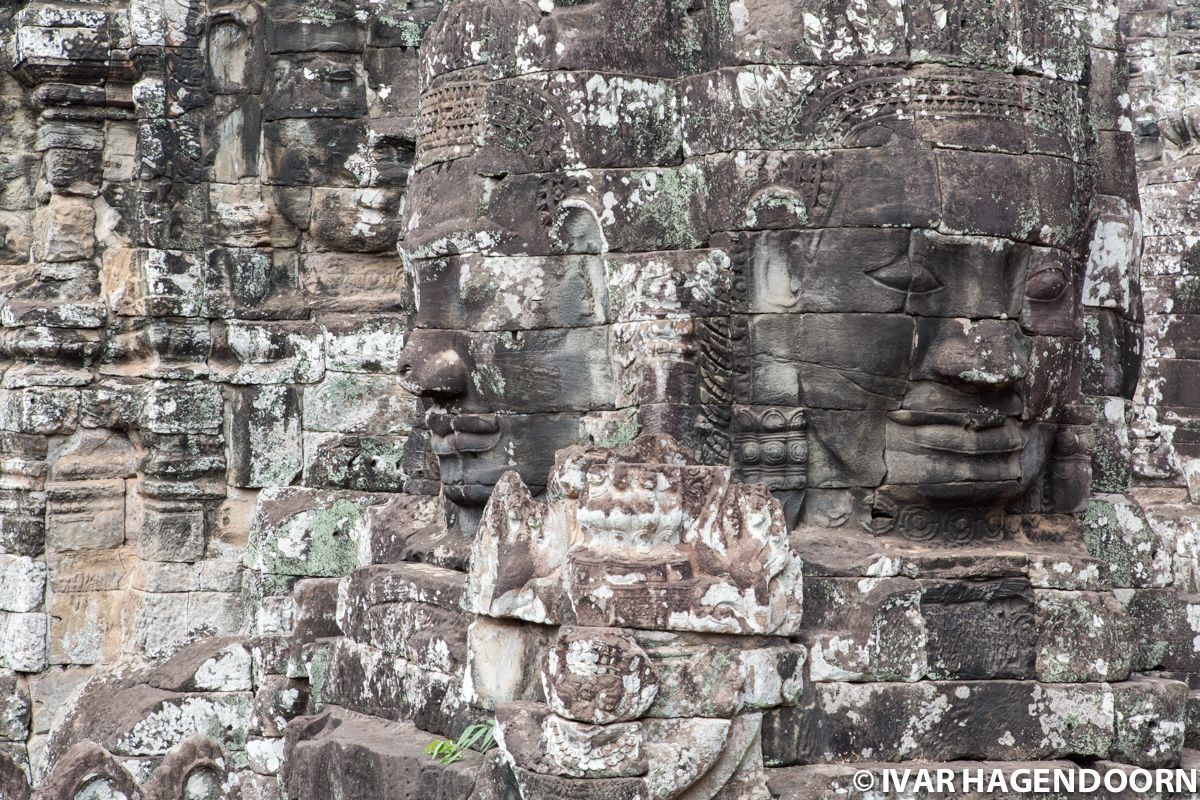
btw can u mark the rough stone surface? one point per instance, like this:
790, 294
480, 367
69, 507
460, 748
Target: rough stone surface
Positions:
713, 398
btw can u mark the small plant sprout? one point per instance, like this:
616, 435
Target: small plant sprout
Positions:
447, 751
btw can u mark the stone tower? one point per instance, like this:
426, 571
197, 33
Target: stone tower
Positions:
706, 399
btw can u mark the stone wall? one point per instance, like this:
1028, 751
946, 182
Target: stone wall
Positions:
219, 542
201, 305
1163, 107
1165, 101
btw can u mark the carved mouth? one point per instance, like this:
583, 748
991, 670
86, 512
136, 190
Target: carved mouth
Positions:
978, 421
455, 434
977, 434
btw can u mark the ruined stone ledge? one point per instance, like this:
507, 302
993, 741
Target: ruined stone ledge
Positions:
836, 781
1140, 722
370, 681
847, 552
897, 628
340, 753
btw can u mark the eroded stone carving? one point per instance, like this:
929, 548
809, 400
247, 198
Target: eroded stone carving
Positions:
675, 591
921, 335
874, 263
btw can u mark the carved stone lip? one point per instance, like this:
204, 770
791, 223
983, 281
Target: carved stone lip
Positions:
467, 494
444, 423
458, 443
451, 434
959, 434
967, 421
933, 401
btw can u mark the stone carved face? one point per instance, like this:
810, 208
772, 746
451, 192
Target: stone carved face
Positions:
829, 278
598, 676
509, 354
911, 252
937, 302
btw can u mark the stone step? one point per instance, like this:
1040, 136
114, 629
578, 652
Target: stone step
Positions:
290, 624
1164, 620
408, 581
315, 609
903, 629
1138, 722
371, 681
340, 753
408, 609
410, 529
214, 664
310, 533
848, 781
129, 717
1046, 565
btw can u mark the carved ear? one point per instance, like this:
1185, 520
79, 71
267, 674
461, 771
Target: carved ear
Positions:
1112, 279
577, 229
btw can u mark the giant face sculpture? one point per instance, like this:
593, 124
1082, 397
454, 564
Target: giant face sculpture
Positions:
858, 279
914, 280
515, 354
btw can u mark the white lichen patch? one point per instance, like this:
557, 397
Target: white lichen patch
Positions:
229, 671
223, 718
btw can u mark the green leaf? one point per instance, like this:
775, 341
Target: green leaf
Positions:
471, 735
448, 752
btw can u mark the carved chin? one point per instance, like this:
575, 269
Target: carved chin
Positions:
970, 494
958, 442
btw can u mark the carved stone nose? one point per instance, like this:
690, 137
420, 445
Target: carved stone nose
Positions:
988, 354
433, 367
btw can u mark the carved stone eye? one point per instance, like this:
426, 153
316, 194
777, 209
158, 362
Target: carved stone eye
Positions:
895, 275
905, 276
924, 281
1047, 284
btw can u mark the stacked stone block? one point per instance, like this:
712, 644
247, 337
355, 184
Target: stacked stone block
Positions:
201, 301
1163, 109
207, 433
1162, 115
